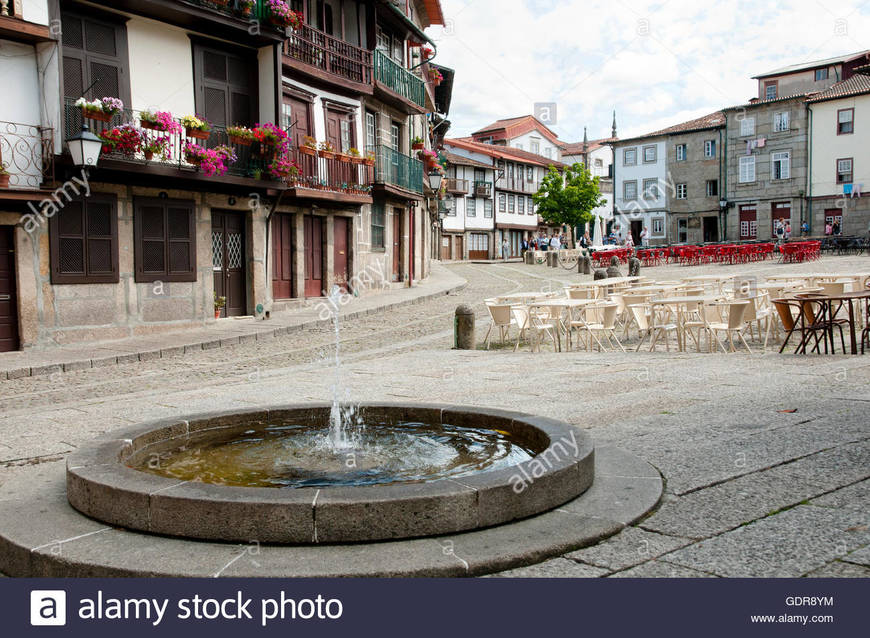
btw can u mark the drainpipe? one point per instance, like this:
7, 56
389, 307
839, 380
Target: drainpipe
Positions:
723, 171
809, 170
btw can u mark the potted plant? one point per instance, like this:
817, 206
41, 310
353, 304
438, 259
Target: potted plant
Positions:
240, 135
284, 169
281, 15
369, 159
355, 156
125, 139
219, 304
429, 159
344, 157
157, 146
436, 77
427, 53
246, 7
417, 143
309, 145
327, 151
4, 176
196, 128
159, 121
102, 110
272, 139
211, 161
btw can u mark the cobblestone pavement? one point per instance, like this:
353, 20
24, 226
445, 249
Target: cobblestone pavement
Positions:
766, 457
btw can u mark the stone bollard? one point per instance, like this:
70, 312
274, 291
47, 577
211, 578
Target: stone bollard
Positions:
530, 258
613, 273
634, 267
584, 265
463, 329
600, 274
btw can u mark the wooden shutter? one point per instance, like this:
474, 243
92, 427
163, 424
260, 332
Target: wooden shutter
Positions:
226, 86
84, 242
95, 56
165, 240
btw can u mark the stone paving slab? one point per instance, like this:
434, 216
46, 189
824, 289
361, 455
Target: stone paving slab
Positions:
859, 557
661, 569
555, 568
788, 545
853, 497
839, 569
632, 547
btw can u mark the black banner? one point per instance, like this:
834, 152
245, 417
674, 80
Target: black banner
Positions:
419, 608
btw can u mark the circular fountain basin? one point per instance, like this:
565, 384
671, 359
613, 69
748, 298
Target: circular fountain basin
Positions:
266, 476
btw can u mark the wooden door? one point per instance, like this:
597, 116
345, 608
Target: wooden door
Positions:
478, 246
748, 222
313, 256
341, 259
282, 256
300, 119
333, 129
397, 244
8, 296
445, 248
228, 261
458, 248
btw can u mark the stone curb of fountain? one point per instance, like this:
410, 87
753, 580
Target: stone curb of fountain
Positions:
41, 535
53, 362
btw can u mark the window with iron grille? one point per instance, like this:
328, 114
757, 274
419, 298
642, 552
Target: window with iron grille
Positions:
84, 242
379, 222
651, 189
165, 240
629, 190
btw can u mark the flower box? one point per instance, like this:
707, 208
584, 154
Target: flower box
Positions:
148, 125
356, 160
330, 155
307, 150
4, 181
198, 134
99, 116
369, 162
240, 141
417, 147
344, 158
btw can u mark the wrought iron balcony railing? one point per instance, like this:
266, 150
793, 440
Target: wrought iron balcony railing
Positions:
337, 174
27, 152
482, 189
260, 10
397, 169
399, 80
329, 54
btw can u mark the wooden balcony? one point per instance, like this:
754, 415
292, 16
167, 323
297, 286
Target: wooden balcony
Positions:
337, 179
13, 25
329, 59
457, 186
517, 185
483, 189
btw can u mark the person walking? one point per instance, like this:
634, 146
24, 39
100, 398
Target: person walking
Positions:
805, 229
829, 230
555, 242
787, 230
505, 249
836, 228
778, 230
644, 237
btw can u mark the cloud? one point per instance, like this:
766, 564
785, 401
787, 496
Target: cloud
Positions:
651, 61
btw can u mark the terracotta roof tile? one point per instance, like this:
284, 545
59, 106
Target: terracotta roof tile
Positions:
503, 152
855, 85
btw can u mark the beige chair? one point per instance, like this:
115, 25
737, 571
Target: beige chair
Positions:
502, 319
580, 293
735, 325
535, 325
520, 316
601, 320
832, 288
648, 326
700, 317
758, 312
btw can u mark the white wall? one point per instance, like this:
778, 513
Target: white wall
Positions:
18, 75
828, 147
34, 11
161, 67
640, 172
524, 142
266, 59
527, 218
319, 122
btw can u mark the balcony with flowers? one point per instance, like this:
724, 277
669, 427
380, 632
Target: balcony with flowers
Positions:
159, 144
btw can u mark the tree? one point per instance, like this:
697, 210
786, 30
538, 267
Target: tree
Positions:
569, 198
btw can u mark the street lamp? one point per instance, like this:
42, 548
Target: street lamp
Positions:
723, 204
435, 179
85, 149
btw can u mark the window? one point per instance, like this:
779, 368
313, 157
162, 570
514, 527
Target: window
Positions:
844, 171
747, 170
84, 242
346, 136
650, 189
519, 146
821, 74
681, 152
650, 154
521, 205
682, 231
94, 56
379, 222
502, 202
629, 157
781, 165
710, 149
471, 207
770, 90
395, 136
548, 152
225, 85
512, 203
599, 163
781, 122
748, 222
165, 240
747, 127
531, 205
487, 208
450, 205
712, 188
371, 131
682, 191
629, 190
286, 116
846, 122
658, 226
530, 174
535, 146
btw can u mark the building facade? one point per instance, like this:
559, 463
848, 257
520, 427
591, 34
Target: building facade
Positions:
839, 189
469, 222
766, 167
640, 188
809, 77
152, 236
525, 133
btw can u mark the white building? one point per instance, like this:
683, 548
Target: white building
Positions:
839, 159
524, 133
641, 187
469, 223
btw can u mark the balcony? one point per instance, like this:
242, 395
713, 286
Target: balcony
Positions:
457, 186
218, 18
397, 173
27, 152
483, 189
394, 83
339, 179
327, 58
13, 25
516, 185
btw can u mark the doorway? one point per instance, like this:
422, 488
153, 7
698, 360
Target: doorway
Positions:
341, 260
282, 256
412, 238
636, 230
8, 294
446, 250
458, 248
397, 244
711, 230
313, 256
228, 261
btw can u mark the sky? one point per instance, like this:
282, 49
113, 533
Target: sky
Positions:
655, 63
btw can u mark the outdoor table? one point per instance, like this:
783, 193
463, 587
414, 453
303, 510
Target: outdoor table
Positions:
829, 301
679, 306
